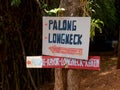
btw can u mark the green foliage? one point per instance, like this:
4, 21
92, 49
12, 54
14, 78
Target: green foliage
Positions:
92, 5
15, 3
44, 6
107, 13
96, 24
54, 11
47, 7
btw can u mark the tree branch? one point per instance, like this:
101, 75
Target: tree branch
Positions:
24, 56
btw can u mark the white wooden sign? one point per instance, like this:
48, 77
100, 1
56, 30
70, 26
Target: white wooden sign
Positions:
66, 37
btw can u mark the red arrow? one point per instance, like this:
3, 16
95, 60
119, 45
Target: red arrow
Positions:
28, 62
63, 50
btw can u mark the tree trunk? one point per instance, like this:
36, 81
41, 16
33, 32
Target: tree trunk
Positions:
118, 63
117, 5
60, 79
68, 79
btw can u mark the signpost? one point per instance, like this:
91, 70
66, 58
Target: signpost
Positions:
93, 63
66, 37
66, 42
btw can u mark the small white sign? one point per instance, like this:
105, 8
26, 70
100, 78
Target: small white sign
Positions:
66, 37
34, 61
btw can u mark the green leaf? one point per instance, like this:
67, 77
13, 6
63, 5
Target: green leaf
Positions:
15, 2
45, 6
54, 11
96, 25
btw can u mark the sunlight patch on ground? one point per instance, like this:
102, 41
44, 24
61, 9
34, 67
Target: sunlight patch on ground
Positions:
104, 73
114, 58
83, 81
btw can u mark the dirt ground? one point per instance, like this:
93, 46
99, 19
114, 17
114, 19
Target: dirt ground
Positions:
108, 78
